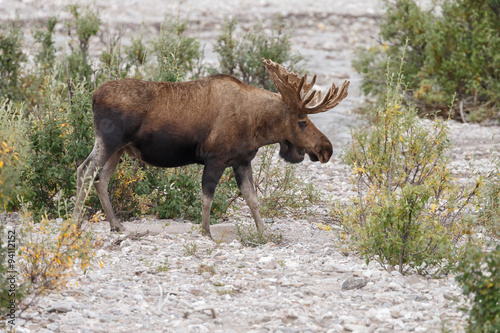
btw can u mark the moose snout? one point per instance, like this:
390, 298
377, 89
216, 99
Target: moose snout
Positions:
322, 152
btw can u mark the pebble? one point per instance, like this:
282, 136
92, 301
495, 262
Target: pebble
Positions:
354, 283
60, 307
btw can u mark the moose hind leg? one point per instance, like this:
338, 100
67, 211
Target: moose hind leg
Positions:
210, 179
85, 172
101, 185
243, 175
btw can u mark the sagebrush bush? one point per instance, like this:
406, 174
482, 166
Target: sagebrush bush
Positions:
408, 212
84, 23
61, 138
49, 253
46, 55
452, 50
241, 55
13, 150
11, 61
166, 193
489, 201
478, 273
249, 236
176, 55
281, 190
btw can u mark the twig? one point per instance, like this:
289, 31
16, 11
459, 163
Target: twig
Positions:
131, 236
462, 112
68, 82
201, 309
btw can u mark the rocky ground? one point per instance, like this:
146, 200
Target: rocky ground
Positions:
175, 280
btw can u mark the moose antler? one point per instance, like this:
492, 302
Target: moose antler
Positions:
296, 92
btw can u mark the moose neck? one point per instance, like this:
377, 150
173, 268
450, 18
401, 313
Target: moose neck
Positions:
272, 122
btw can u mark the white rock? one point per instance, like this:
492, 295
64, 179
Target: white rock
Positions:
395, 286
380, 314
268, 262
291, 264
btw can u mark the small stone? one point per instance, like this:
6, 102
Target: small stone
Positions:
106, 318
282, 329
111, 293
285, 282
451, 295
396, 274
335, 328
268, 262
395, 286
354, 283
197, 328
419, 286
355, 328
380, 315
291, 264
61, 307
396, 314
367, 274
90, 314
54, 317
53, 326
45, 330
127, 249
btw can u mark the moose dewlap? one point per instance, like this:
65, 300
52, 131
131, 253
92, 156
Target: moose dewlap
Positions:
217, 121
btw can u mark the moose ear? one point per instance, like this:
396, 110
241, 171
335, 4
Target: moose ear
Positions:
296, 92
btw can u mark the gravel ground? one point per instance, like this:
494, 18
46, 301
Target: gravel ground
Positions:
304, 284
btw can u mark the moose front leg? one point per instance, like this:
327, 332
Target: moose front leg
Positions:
243, 175
211, 177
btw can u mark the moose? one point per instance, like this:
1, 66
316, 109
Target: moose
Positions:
217, 121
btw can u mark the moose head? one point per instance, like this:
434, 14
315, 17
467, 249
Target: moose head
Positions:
217, 121
300, 101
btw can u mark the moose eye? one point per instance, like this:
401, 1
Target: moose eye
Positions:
302, 124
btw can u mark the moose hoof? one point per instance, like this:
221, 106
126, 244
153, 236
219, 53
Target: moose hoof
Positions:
117, 227
206, 234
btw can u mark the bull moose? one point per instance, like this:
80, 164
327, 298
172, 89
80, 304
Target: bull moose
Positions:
217, 121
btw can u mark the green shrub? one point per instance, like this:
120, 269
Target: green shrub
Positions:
279, 187
479, 275
61, 138
136, 56
83, 25
176, 54
12, 58
13, 149
489, 201
249, 236
112, 65
48, 255
46, 55
177, 192
452, 50
242, 55
408, 212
